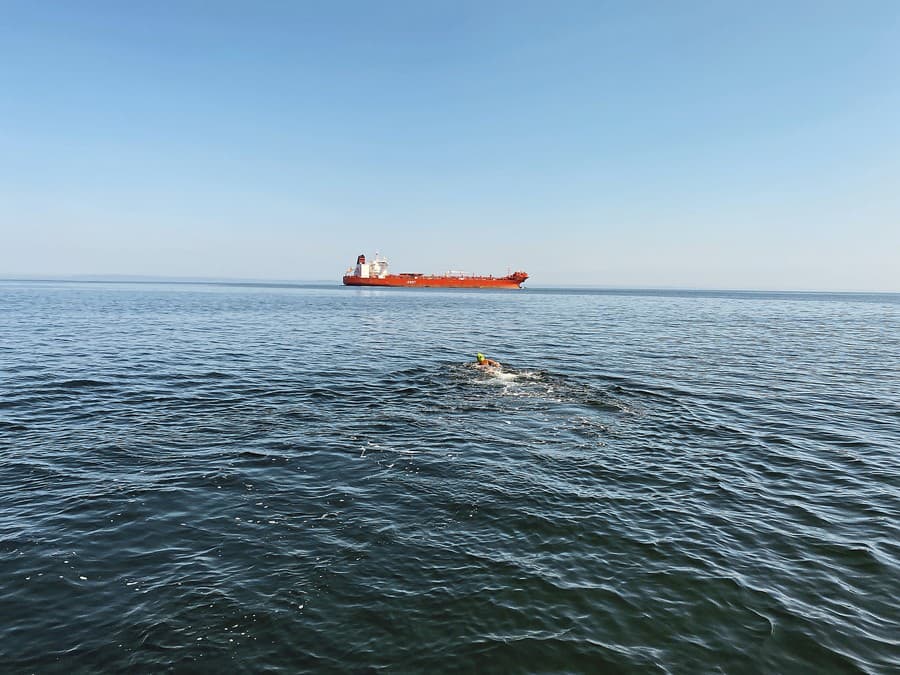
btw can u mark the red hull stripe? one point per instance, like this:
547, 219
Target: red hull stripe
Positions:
424, 281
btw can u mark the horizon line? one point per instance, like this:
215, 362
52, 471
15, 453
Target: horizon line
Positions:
149, 279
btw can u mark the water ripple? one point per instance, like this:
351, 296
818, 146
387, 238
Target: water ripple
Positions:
305, 479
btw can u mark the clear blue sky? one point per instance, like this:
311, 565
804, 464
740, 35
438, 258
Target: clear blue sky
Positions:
690, 144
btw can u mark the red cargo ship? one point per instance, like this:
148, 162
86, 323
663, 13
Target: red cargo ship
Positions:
375, 273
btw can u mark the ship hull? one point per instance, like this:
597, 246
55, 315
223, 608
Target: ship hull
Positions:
430, 281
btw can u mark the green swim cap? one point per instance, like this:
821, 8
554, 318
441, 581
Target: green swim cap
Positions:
479, 356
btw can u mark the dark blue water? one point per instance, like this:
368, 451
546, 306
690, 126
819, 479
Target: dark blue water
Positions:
284, 479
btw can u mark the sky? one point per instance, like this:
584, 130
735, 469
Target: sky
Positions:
733, 145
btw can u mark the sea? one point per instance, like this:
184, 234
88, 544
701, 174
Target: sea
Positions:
284, 478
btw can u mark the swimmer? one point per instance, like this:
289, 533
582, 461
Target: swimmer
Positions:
482, 361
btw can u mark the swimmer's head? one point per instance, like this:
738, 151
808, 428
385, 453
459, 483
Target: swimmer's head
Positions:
480, 357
